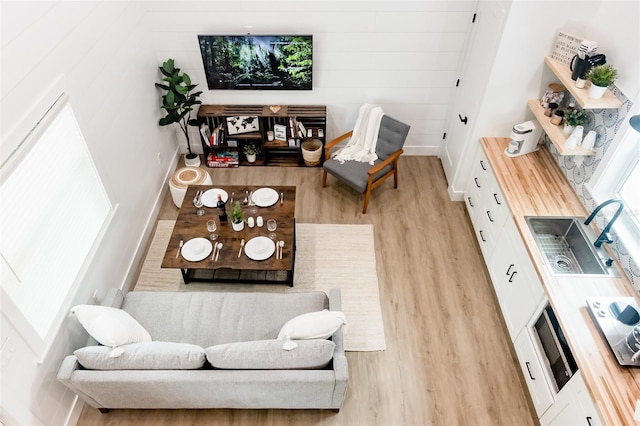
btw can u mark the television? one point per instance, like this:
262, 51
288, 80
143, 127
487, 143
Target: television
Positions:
257, 62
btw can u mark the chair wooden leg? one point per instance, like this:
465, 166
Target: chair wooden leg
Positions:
366, 199
324, 178
395, 178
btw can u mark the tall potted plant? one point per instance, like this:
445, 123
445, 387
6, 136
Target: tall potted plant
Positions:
178, 102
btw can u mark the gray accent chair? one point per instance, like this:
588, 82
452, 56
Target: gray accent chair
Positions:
213, 318
363, 177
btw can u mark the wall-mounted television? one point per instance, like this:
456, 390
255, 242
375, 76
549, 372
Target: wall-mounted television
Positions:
257, 62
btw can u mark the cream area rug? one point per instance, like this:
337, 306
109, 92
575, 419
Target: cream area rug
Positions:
327, 256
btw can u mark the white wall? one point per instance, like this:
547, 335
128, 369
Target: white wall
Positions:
403, 55
519, 72
100, 54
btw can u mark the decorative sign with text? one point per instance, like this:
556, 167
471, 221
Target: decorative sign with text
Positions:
565, 47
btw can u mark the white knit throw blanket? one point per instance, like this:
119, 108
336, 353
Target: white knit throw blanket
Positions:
362, 145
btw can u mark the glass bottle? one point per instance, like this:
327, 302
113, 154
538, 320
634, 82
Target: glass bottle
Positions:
222, 210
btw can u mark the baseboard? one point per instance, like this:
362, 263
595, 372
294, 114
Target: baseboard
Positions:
421, 150
74, 412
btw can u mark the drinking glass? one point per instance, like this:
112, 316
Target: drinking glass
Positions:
211, 227
272, 225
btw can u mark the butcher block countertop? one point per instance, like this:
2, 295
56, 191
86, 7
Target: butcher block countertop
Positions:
534, 185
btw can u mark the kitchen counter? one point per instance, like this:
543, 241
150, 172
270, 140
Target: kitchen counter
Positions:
534, 185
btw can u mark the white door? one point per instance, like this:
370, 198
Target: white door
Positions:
483, 44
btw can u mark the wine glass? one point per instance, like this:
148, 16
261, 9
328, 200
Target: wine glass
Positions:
272, 225
197, 202
211, 227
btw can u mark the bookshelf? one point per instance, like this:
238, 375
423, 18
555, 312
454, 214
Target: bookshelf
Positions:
246, 124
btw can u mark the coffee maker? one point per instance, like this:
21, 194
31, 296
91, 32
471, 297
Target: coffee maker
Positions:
524, 138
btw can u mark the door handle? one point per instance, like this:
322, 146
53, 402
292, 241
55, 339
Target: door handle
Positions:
589, 421
476, 181
513, 274
495, 197
464, 120
470, 203
482, 165
482, 237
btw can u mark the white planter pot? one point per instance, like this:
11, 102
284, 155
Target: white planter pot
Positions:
596, 92
192, 162
237, 226
251, 158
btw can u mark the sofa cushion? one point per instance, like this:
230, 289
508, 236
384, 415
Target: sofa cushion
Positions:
269, 355
110, 326
312, 325
207, 318
143, 356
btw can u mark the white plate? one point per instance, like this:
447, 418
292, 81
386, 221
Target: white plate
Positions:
210, 197
265, 197
259, 248
196, 249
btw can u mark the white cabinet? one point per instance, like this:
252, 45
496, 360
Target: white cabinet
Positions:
573, 406
533, 371
485, 203
515, 280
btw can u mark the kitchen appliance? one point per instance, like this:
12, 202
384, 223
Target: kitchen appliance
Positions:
524, 138
617, 318
560, 364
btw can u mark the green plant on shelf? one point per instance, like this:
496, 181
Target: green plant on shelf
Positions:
251, 148
602, 75
576, 117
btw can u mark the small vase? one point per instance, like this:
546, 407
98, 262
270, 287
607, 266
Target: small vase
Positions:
596, 92
237, 226
568, 129
251, 158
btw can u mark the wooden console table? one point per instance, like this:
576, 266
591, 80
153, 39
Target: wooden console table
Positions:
300, 122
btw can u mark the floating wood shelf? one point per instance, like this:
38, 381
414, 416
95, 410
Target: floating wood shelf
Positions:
581, 96
555, 133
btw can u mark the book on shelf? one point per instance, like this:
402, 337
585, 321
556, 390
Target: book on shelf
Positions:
206, 133
302, 131
223, 158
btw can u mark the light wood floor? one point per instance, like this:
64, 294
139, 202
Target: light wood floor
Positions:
448, 360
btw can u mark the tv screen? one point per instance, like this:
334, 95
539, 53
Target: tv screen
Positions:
257, 62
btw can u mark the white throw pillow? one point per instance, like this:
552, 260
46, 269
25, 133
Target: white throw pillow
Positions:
312, 325
110, 326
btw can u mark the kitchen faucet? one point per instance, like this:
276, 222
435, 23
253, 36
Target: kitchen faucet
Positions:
604, 236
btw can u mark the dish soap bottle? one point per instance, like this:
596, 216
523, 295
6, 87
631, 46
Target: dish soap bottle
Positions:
222, 209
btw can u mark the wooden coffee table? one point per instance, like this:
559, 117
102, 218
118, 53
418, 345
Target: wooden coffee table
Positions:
230, 267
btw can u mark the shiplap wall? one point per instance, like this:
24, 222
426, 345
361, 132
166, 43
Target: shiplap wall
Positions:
402, 55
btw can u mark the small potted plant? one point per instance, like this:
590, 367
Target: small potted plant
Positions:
237, 217
574, 118
601, 77
250, 151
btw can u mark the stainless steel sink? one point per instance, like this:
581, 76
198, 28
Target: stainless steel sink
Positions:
567, 245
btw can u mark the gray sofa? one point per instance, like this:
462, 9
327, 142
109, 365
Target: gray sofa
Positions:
206, 319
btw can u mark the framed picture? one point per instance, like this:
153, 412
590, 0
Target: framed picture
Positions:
280, 132
242, 124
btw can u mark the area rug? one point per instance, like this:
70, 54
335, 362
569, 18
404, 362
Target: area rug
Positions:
327, 256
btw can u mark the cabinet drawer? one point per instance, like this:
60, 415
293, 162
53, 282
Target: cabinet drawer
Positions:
533, 373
